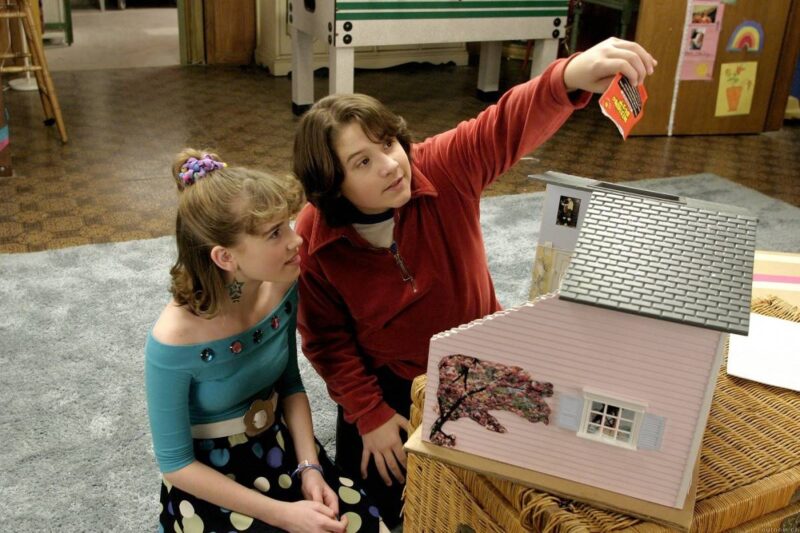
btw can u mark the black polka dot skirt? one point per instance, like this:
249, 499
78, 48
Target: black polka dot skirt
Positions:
264, 463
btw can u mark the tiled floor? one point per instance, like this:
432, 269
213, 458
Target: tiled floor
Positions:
111, 181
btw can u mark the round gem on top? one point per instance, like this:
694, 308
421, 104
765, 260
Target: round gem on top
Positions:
237, 347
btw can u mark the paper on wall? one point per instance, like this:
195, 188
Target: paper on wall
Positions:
700, 50
736, 86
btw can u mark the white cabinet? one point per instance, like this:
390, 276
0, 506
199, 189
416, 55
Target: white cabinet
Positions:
274, 48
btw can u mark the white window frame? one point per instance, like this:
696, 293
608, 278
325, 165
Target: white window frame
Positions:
638, 409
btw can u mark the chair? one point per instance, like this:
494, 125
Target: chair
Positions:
35, 61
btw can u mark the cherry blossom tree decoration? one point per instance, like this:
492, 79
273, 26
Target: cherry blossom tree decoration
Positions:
470, 387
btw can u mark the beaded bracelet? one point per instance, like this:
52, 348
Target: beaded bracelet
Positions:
305, 465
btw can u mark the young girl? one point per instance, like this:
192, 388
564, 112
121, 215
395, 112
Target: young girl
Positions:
230, 419
393, 251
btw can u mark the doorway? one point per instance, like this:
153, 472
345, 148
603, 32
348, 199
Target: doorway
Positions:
116, 34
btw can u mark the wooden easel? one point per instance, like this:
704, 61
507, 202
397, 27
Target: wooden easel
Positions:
5, 149
21, 9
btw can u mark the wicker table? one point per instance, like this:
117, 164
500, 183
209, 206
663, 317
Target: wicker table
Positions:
749, 473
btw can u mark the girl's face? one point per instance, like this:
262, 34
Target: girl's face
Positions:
273, 254
377, 176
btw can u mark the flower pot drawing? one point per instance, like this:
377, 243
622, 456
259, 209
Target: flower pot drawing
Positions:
734, 95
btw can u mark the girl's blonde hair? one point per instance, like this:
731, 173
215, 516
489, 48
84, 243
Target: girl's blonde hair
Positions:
217, 209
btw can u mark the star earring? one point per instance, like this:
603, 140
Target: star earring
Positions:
235, 290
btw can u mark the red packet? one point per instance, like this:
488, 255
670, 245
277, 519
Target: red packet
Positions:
623, 104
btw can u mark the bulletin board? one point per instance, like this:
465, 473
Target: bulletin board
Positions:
720, 65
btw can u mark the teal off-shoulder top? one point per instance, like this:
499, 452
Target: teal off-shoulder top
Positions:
218, 380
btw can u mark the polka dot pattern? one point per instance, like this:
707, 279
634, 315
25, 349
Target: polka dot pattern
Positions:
239, 438
186, 509
258, 450
348, 495
353, 522
193, 525
262, 463
275, 457
219, 457
261, 484
240, 521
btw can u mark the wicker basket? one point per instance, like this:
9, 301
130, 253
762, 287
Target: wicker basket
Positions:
749, 472
786, 520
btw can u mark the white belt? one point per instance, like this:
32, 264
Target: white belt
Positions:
258, 417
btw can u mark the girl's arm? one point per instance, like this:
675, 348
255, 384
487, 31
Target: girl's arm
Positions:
297, 414
295, 401
298, 418
207, 484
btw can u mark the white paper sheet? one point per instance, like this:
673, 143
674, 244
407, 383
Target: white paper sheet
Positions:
769, 354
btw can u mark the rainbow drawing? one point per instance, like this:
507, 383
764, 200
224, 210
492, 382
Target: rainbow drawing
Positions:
748, 36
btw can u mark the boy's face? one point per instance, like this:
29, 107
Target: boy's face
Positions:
377, 176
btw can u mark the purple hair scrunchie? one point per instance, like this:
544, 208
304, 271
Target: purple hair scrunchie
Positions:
194, 169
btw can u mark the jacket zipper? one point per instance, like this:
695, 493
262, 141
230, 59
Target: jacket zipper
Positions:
402, 266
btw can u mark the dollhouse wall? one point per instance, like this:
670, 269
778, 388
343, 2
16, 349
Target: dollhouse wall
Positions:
668, 367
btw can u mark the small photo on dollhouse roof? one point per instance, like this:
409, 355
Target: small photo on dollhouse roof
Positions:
605, 377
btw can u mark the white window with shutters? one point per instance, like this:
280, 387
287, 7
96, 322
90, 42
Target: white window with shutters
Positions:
609, 420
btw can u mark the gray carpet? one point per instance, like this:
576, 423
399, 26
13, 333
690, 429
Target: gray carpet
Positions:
77, 453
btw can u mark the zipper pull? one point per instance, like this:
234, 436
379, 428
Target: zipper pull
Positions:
402, 266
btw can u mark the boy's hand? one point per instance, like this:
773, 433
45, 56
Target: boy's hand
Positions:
594, 69
386, 447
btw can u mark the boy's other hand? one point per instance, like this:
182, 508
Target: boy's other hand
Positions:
386, 447
594, 69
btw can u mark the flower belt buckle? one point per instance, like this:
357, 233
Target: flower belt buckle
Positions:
260, 416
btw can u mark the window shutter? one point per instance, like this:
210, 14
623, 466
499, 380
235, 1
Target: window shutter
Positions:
651, 432
570, 409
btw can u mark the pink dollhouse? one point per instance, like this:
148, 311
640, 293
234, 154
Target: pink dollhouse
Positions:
605, 378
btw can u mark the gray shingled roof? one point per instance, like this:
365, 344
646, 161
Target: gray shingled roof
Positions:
665, 257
